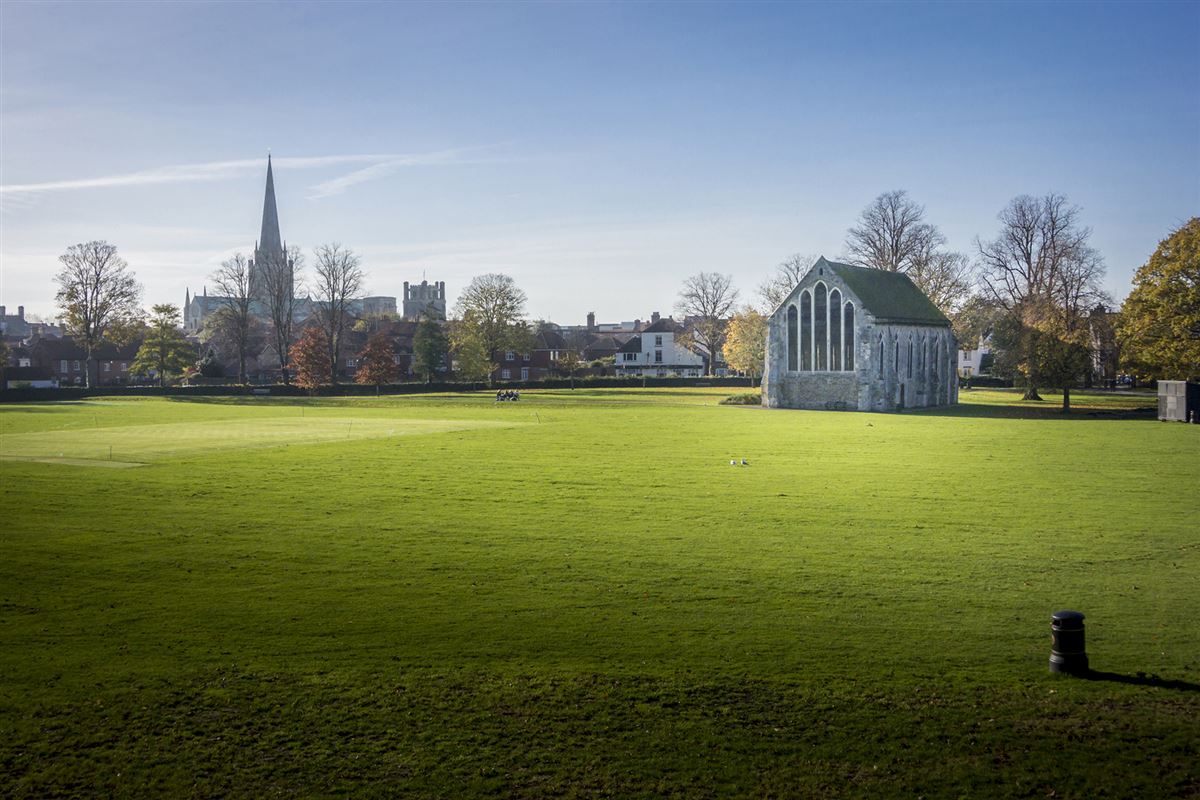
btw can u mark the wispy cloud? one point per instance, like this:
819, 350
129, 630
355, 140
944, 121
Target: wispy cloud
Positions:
390, 165
380, 164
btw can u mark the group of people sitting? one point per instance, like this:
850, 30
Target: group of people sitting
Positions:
507, 394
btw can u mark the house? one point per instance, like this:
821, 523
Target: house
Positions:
859, 339
67, 361
656, 352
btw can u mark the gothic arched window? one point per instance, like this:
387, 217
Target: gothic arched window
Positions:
848, 338
910, 356
835, 330
792, 344
806, 331
821, 328
881, 355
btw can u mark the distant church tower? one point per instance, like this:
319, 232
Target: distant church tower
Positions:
269, 250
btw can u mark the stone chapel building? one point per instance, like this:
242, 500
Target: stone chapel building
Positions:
851, 338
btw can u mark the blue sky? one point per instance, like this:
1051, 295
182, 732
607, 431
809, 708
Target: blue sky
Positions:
598, 153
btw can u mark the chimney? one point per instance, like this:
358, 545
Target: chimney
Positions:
2, 311
406, 297
591, 320
654, 318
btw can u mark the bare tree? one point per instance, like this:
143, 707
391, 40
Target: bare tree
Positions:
338, 279
945, 278
787, 274
280, 286
1038, 264
98, 296
891, 234
890, 231
706, 302
232, 281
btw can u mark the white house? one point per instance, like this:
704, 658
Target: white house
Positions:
654, 352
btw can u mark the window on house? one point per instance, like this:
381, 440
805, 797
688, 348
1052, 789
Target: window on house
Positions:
524, 356
554, 355
77, 366
505, 374
658, 356
848, 337
821, 328
806, 331
124, 366
108, 366
524, 373
658, 341
351, 362
62, 366
510, 356
792, 344
835, 330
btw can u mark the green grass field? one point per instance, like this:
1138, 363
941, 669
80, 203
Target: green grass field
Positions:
577, 595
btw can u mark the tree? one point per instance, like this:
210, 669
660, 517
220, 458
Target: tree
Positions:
280, 279
974, 321
746, 342
892, 235
470, 355
232, 281
376, 362
98, 296
1159, 327
309, 357
570, 358
787, 274
430, 347
490, 319
338, 279
1027, 269
165, 350
705, 301
232, 338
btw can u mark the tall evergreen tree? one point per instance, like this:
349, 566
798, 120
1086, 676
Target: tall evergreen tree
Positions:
165, 351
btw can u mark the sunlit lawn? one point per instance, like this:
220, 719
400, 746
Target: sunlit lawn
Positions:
577, 594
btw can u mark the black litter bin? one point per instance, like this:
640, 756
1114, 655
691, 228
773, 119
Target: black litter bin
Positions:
1067, 652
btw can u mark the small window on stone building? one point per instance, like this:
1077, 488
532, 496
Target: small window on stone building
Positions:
896, 359
881, 355
910, 356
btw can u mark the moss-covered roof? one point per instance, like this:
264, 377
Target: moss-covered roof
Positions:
890, 296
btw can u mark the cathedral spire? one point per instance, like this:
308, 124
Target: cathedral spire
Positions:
270, 241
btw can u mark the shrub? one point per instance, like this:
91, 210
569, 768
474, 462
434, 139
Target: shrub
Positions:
748, 399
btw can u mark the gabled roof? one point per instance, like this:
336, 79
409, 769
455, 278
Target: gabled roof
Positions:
549, 340
890, 296
602, 344
634, 345
664, 325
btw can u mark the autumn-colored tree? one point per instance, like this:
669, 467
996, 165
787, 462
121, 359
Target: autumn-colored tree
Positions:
165, 350
1159, 327
746, 342
309, 358
376, 362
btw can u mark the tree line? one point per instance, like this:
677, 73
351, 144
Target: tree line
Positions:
1031, 289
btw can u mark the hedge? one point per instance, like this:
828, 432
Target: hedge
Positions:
349, 389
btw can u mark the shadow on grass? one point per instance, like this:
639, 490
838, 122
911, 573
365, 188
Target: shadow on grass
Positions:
1141, 679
